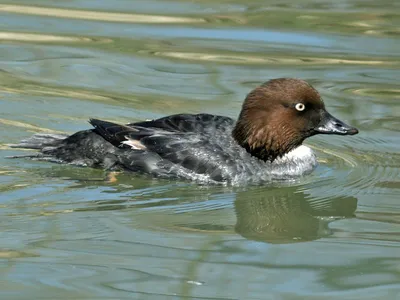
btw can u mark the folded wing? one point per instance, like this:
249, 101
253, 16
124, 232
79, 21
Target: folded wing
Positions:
189, 141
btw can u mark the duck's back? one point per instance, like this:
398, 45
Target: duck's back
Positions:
195, 147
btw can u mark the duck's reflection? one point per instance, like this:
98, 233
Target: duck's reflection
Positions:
286, 215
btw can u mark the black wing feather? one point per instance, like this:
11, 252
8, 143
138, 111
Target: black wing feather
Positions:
116, 133
184, 139
186, 122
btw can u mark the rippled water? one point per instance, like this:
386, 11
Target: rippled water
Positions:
68, 234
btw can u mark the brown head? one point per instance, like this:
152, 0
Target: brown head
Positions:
277, 116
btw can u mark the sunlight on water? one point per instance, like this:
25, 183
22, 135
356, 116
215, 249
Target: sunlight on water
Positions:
93, 15
71, 233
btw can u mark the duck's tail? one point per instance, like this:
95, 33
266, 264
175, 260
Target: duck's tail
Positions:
40, 141
45, 142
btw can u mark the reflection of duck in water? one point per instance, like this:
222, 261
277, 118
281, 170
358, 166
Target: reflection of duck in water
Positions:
285, 215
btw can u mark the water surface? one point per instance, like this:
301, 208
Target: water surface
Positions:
69, 234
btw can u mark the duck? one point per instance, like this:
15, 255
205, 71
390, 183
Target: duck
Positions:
264, 144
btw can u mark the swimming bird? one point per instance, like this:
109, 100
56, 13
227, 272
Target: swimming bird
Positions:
262, 145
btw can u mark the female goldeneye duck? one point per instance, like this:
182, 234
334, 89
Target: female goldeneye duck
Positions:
264, 144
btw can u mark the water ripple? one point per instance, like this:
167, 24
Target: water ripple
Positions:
31, 37
252, 59
95, 15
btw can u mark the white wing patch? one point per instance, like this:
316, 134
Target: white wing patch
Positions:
134, 144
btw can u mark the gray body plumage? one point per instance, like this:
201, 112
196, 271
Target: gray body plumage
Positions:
194, 147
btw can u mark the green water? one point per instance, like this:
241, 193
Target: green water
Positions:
68, 234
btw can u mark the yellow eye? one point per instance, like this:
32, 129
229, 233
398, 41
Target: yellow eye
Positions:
300, 106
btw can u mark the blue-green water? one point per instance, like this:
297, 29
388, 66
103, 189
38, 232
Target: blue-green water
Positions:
69, 234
